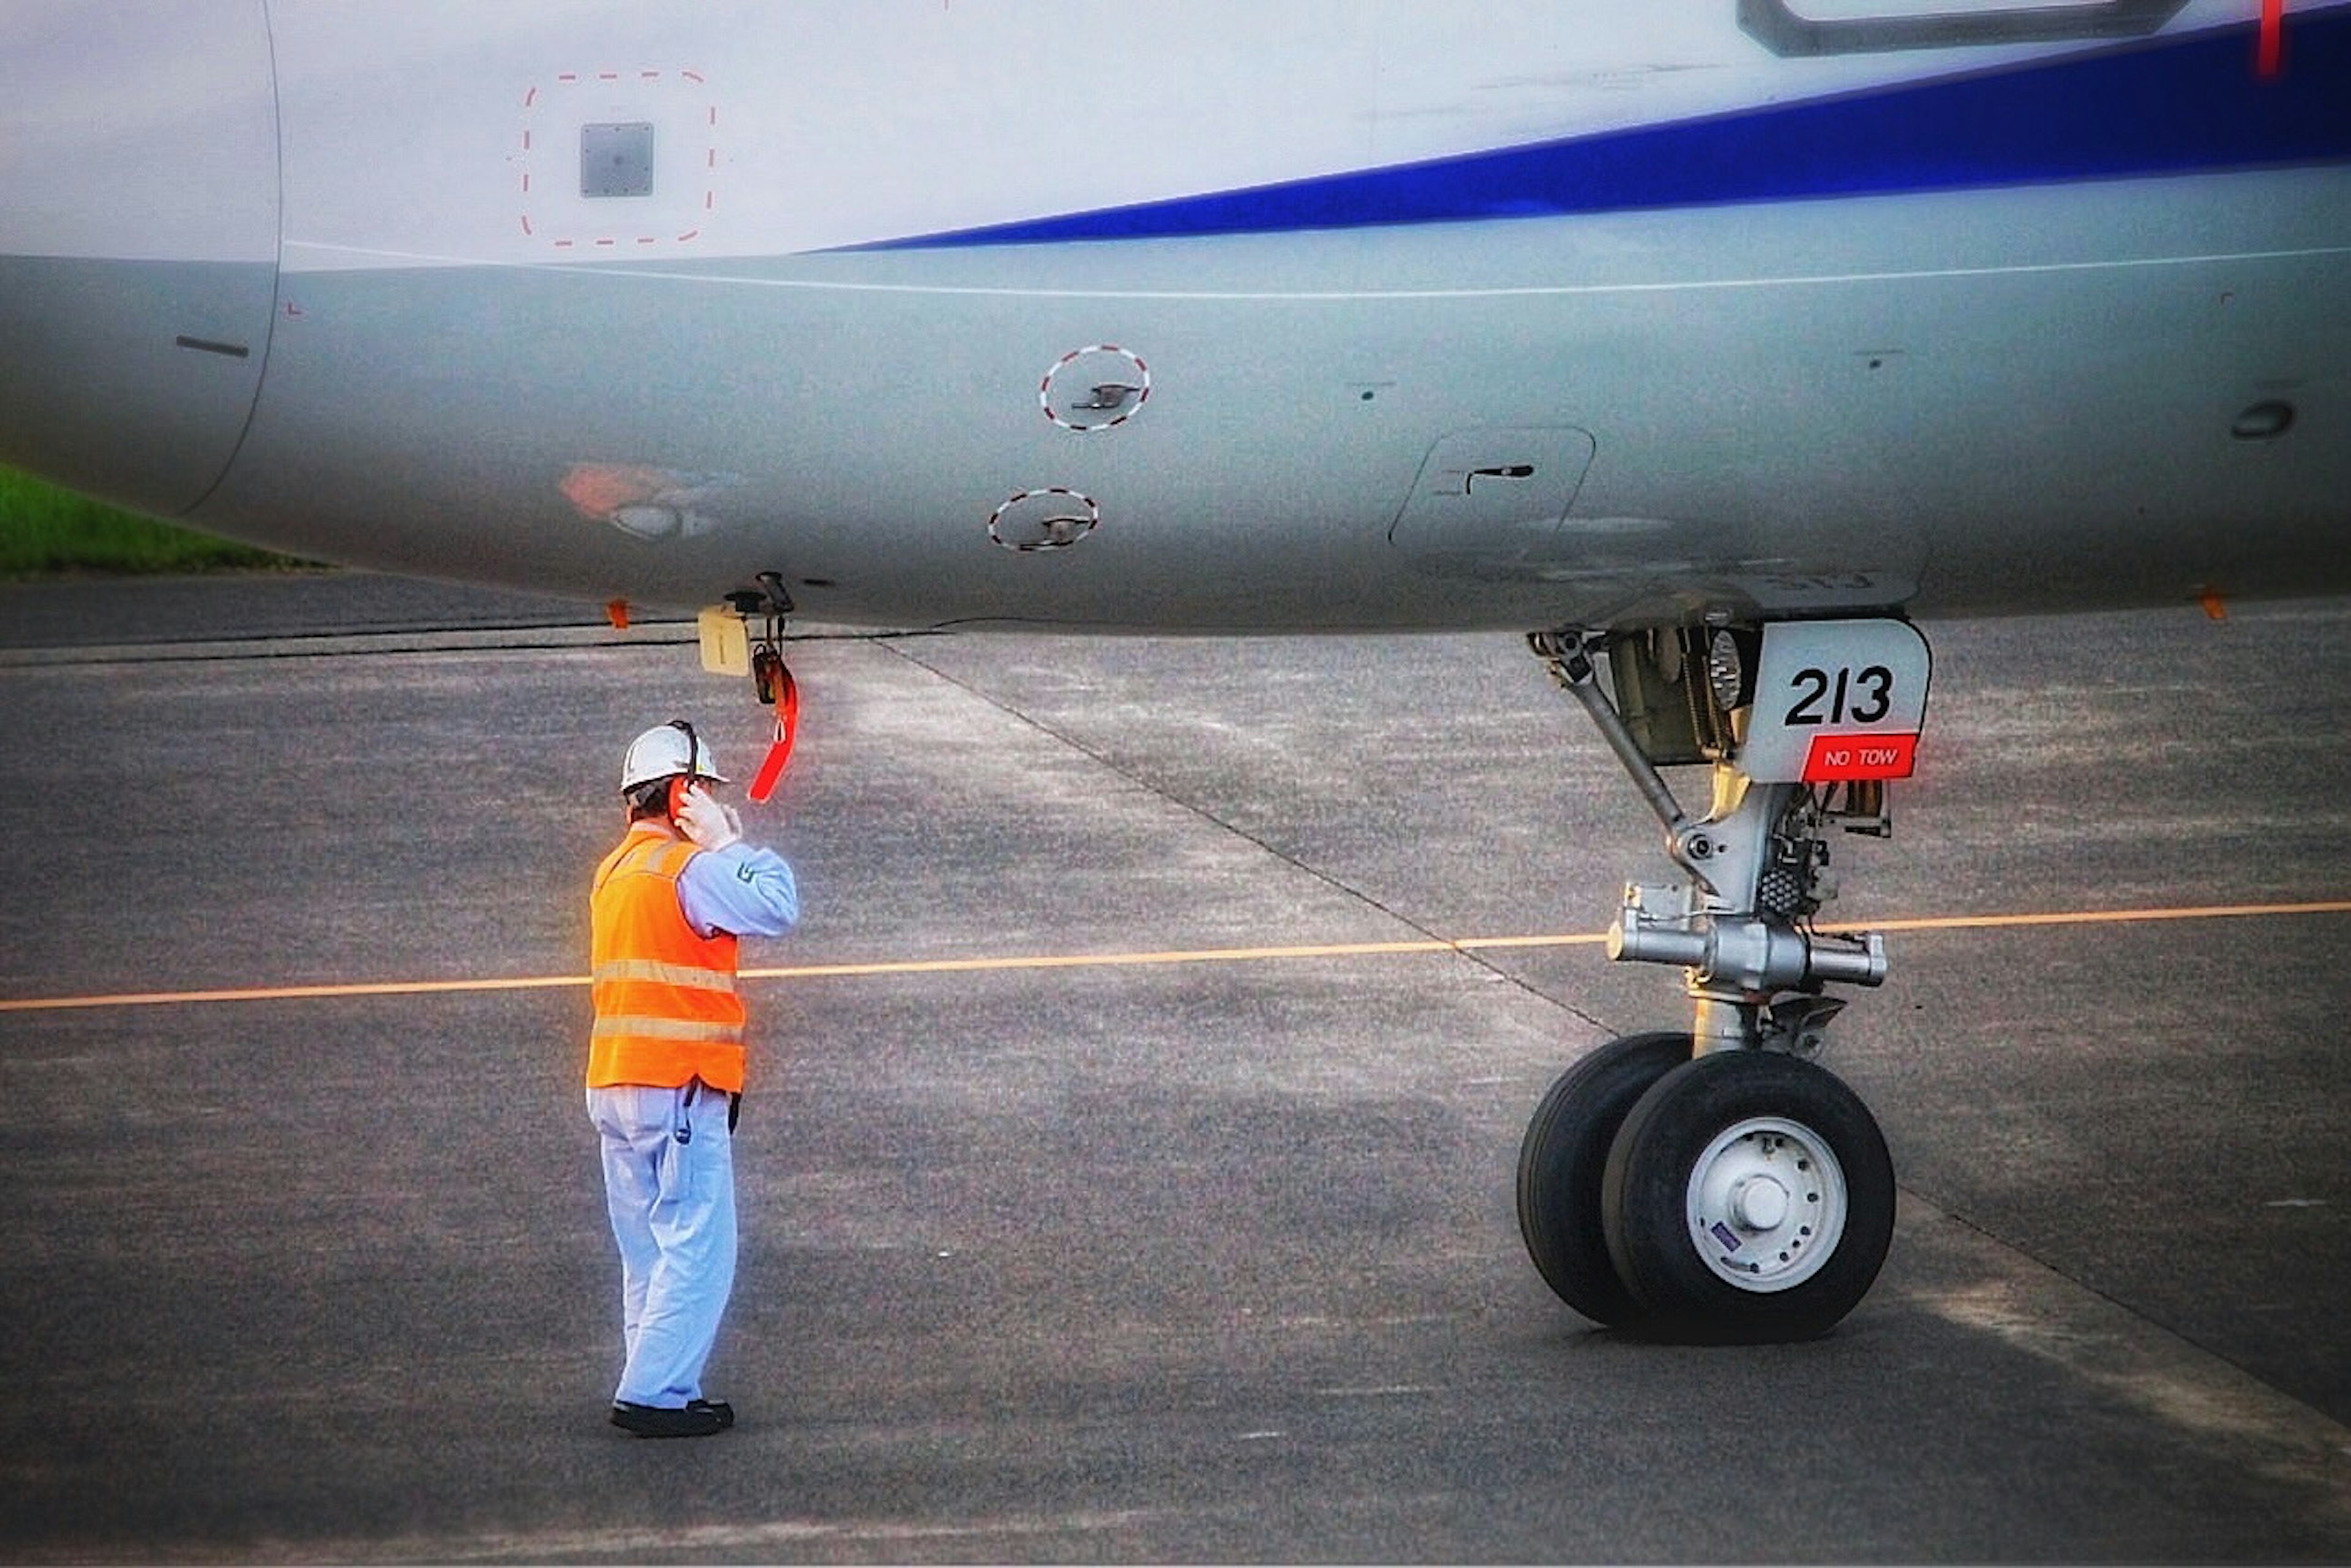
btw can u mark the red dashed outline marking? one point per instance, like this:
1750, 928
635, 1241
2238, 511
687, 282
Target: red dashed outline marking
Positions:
1094, 518
1143, 392
532, 103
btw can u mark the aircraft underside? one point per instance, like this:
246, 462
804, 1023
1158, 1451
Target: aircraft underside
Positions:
2059, 398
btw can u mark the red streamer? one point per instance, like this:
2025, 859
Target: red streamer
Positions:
788, 730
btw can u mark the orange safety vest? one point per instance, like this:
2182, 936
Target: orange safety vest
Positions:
666, 1011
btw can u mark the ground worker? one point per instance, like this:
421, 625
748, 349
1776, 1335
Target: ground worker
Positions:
665, 1065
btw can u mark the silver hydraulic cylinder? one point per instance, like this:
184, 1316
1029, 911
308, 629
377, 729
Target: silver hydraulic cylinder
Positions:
1746, 953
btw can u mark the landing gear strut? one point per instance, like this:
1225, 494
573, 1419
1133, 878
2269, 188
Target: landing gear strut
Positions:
1718, 1185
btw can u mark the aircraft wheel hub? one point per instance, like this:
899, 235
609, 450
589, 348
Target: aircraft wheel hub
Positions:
1766, 1204
1761, 1203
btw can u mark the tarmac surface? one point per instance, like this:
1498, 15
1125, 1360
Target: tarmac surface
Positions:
1202, 1247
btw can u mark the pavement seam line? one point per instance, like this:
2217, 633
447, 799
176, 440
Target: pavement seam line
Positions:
2168, 1372
1204, 814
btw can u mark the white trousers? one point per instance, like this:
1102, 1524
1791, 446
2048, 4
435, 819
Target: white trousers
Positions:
669, 1183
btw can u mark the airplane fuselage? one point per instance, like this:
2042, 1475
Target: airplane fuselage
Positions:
1229, 319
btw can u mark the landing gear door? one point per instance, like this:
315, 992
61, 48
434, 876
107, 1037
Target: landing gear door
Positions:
1488, 502
1836, 701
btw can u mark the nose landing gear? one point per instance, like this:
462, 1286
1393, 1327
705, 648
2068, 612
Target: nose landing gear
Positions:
1718, 1185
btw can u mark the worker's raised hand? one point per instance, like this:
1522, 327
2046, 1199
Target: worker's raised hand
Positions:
702, 818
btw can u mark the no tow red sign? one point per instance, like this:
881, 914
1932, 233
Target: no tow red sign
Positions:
1839, 759
1836, 700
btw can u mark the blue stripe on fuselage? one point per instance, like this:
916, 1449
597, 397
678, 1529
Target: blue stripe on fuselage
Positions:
2187, 105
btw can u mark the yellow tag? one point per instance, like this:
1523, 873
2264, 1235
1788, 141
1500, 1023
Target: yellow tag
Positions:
726, 641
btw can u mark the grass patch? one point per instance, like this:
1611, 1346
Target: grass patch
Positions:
45, 532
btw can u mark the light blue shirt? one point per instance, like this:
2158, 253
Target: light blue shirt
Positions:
742, 889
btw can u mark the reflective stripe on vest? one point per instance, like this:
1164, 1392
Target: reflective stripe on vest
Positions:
667, 973
636, 1024
666, 1011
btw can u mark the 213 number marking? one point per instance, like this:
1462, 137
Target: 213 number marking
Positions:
1851, 698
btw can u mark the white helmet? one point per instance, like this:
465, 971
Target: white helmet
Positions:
668, 748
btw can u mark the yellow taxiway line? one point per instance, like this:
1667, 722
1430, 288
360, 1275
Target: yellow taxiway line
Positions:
1129, 960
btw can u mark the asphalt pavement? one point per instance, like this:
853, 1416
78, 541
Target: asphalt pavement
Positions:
1127, 1173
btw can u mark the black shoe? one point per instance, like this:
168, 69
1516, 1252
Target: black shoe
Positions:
718, 1407
699, 1420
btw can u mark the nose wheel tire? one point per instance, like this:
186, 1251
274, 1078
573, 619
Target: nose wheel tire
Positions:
1564, 1156
1748, 1197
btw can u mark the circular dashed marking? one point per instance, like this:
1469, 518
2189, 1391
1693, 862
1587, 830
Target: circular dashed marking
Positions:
1053, 518
1098, 387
